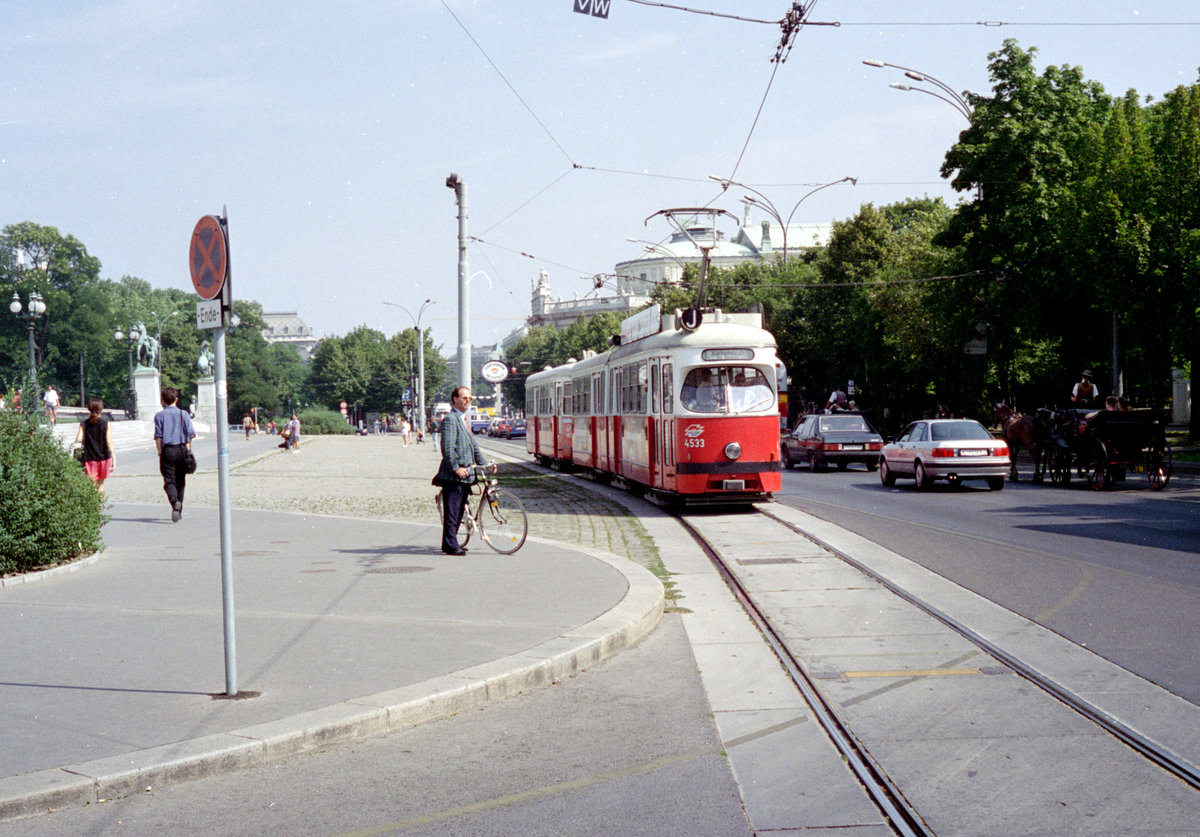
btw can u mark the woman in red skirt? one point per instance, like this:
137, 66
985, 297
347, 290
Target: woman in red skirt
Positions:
95, 435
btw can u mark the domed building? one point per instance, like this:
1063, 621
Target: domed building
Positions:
753, 243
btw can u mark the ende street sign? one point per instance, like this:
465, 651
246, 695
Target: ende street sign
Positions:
208, 314
595, 8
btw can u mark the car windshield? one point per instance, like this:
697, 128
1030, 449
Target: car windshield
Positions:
947, 430
727, 389
839, 423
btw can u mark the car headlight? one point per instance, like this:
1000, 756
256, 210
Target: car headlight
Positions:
733, 450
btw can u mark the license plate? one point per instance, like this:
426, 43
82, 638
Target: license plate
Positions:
1139, 469
852, 447
734, 485
973, 452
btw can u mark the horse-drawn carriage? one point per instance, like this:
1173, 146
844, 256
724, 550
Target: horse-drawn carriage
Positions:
1101, 446
1104, 446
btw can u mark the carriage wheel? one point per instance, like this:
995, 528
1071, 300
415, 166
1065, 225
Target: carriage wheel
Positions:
1159, 469
1060, 468
1099, 475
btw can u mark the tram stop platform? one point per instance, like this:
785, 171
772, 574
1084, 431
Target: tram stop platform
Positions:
115, 669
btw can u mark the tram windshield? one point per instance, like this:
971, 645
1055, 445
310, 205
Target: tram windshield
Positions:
727, 389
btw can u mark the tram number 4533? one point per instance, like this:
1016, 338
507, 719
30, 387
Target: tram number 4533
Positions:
693, 443
693, 436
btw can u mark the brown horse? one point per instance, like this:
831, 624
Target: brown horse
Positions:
1020, 432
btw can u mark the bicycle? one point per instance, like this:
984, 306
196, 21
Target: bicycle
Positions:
504, 525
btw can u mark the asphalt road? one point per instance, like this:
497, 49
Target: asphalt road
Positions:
1116, 571
629, 748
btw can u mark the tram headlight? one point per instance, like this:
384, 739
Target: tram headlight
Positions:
733, 450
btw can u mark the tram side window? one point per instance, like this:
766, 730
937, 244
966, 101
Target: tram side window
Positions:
565, 409
581, 398
703, 390
598, 393
668, 389
634, 383
643, 387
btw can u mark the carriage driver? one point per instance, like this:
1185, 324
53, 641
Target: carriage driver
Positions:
1084, 392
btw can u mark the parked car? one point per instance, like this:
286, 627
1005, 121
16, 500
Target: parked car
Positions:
498, 427
832, 439
945, 449
516, 429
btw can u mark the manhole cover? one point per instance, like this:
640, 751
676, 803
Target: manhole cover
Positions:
396, 570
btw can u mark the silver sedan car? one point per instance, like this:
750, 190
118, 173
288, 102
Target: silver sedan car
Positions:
945, 449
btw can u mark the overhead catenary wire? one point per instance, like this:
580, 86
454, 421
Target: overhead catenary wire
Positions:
503, 78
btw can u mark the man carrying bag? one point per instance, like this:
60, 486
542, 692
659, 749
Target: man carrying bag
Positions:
459, 452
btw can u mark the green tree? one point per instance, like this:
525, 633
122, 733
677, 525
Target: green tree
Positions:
40, 258
350, 369
1022, 155
1176, 141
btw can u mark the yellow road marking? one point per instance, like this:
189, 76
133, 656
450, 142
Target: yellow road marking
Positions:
913, 672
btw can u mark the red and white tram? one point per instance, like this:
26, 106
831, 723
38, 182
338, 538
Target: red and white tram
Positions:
683, 413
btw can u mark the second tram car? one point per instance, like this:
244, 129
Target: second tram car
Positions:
687, 414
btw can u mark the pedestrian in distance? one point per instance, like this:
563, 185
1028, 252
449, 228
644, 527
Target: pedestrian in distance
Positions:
293, 427
95, 437
1084, 392
51, 401
459, 452
173, 435
836, 402
248, 424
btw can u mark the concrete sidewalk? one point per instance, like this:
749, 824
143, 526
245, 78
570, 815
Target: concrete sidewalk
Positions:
114, 672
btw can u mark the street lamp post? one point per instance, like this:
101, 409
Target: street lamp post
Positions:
948, 94
765, 202
464, 330
34, 309
659, 250
131, 340
420, 353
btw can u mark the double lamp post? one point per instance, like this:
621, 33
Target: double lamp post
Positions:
30, 313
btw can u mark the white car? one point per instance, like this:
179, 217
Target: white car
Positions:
945, 449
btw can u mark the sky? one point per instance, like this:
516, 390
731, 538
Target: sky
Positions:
327, 129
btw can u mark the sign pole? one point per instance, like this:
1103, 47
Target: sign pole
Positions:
209, 260
226, 513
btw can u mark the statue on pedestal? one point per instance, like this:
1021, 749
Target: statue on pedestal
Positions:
147, 348
206, 362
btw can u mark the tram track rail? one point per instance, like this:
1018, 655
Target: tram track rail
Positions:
889, 798
1168, 761
902, 816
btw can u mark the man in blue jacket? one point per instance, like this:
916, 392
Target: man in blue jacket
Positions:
173, 434
459, 452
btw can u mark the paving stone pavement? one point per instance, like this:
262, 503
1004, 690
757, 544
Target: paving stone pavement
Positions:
376, 477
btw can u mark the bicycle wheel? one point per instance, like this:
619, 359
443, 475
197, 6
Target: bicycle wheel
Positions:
502, 522
464, 528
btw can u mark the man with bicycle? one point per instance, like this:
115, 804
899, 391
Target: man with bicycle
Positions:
459, 452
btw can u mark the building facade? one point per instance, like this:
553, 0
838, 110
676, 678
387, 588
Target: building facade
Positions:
286, 327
